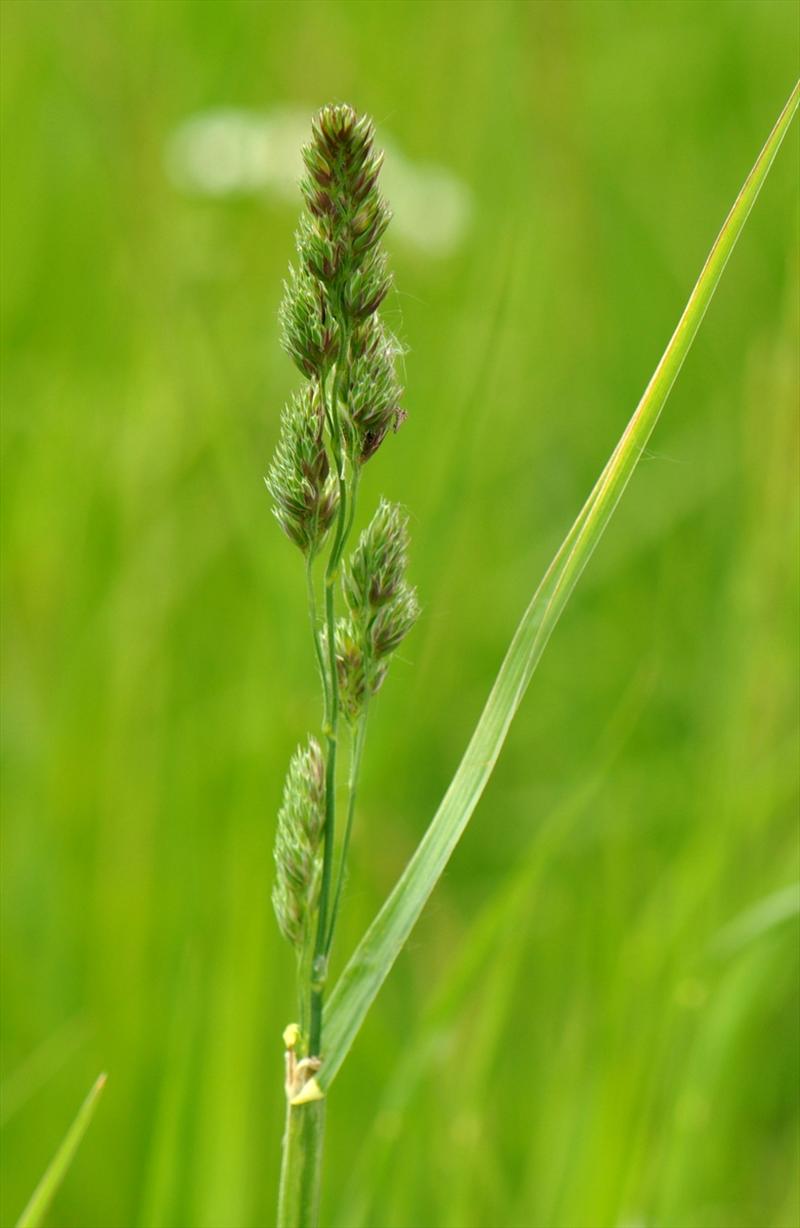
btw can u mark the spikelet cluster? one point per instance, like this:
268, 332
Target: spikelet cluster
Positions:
309, 333
348, 213
301, 820
299, 478
382, 607
328, 316
373, 391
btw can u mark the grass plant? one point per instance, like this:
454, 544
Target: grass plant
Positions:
331, 330
594, 1018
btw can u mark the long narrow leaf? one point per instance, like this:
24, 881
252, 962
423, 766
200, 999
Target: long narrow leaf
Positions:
375, 955
43, 1195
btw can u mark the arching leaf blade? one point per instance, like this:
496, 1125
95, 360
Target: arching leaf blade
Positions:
372, 960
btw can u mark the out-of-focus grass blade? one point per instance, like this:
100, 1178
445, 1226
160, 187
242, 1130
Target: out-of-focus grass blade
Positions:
43, 1195
761, 918
164, 1167
484, 946
375, 955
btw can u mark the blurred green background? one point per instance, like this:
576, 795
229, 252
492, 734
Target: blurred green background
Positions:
596, 1022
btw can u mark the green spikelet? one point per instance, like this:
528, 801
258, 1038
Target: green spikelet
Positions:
349, 213
383, 607
301, 820
309, 334
340, 254
299, 478
393, 623
331, 329
373, 393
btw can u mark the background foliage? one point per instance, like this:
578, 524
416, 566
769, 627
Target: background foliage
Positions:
592, 1026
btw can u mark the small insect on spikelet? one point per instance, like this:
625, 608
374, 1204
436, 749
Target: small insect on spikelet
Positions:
373, 390
331, 329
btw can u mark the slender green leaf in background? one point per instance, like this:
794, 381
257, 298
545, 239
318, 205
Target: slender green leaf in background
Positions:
374, 957
761, 918
490, 937
57, 1169
158, 1185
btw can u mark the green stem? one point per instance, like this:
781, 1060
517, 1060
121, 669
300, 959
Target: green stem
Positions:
304, 957
312, 614
301, 1166
319, 961
353, 500
356, 753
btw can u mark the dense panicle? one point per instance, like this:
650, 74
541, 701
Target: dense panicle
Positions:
297, 845
331, 329
350, 215
299, 477
328, 315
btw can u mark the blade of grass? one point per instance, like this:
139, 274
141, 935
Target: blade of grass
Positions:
484, 944
371, 962
57, 1169
760, 918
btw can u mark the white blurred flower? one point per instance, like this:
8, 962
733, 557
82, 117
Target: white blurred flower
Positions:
232, 151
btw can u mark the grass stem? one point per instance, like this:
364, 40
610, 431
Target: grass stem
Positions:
356, 753
315, 632
301, 1168
318, 963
